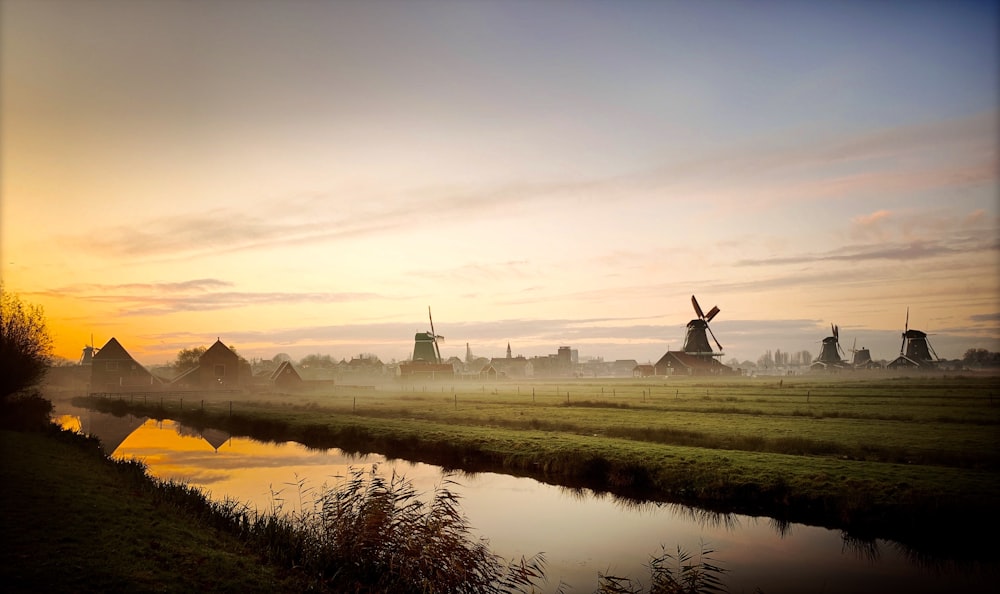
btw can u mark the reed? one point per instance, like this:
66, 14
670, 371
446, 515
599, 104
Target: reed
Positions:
366, 534
678, 572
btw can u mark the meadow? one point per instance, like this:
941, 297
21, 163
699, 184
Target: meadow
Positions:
914, 459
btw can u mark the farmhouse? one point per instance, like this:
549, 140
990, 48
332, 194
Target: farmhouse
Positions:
114, 370
681, 363
219, 368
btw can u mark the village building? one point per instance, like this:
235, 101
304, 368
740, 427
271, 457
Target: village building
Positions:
113, 369
681, 363
219, 368
283, 378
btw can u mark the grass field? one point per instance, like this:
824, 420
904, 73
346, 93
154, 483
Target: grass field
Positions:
915, 459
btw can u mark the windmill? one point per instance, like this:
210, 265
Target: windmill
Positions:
831, 355
87, 357
861, 358
696, 341
915, 347
425, 344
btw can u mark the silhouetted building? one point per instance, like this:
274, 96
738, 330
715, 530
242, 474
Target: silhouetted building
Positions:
113, 369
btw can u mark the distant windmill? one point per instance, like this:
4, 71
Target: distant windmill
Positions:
832, 354
425, 344
696, 341
87, 357
861, 358
915, 347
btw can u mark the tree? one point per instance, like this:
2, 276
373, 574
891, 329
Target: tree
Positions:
25, 344
316, 360
980, 357
188, 359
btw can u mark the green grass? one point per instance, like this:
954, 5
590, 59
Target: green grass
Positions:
73, 522
911, 459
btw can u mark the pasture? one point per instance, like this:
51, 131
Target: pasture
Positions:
904, 458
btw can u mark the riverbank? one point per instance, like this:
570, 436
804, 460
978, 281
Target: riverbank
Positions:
911, 460
74, 521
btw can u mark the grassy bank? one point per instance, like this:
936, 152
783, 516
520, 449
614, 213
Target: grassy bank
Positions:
74, 522
912, 459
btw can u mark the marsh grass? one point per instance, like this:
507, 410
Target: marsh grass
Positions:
677, 572
372, 533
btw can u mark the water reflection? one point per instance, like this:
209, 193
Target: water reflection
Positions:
580, 532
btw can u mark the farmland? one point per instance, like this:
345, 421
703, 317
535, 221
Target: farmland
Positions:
914, 459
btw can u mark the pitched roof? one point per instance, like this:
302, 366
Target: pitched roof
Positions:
218, 347
112, 350
184, 375
691, 361
285, 368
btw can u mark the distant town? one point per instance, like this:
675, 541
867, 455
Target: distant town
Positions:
111, 368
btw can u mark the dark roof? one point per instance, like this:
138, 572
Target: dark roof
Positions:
218, 348
286, 368
691, 361
112, 350
185, 374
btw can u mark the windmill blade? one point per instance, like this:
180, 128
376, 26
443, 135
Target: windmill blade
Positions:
431, 318
854, 347
697, 308
931, 349
713, 337
906, 326
712, 313
903, 345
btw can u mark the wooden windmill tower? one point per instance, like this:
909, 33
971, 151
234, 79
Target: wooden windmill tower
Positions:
87, 357
916, 350
696, 340
831, 354
425, 344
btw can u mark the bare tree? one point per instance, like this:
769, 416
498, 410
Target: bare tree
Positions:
25, 344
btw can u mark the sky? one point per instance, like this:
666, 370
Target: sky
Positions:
310, 177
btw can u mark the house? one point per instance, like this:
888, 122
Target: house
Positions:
681, 363
219, 368
488, 372
284, 377
426, 371
643, 370
113, 369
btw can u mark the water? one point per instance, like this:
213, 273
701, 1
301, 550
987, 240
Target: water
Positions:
580, 533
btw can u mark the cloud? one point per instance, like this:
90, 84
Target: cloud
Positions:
154, 299
201, 284
990, 317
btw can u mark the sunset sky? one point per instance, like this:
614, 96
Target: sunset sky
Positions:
308, 177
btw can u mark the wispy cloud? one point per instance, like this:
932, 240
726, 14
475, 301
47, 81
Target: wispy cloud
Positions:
905, 159
143, 299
